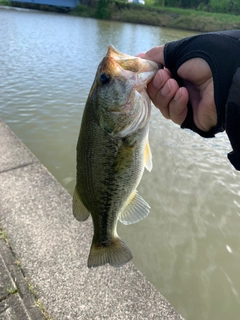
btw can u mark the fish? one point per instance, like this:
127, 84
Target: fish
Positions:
112, 152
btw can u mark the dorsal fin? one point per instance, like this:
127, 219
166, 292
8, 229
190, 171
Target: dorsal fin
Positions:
135, 210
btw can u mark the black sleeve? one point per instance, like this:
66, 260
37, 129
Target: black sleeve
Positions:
233, 120
221, 50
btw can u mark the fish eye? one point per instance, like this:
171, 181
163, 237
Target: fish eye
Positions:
105, 78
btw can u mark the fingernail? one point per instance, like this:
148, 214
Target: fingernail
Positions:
166, 89
178, 94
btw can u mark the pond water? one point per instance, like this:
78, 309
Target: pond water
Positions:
189, 245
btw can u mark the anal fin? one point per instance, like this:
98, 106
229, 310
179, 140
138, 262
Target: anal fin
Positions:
80, 212
135, 210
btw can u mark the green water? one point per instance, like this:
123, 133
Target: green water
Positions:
188, 246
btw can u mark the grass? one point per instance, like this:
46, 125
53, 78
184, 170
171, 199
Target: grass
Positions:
38, 302
12, 290
185, 19
3, 234
41, 307
193, 20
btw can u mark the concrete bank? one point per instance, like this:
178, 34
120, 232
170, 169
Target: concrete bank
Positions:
43, 266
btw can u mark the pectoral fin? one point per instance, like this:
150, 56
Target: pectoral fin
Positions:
80, 212
136, 209
148, 157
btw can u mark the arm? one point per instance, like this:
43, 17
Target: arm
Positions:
233, 120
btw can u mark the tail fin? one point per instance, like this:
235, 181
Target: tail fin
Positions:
116, 254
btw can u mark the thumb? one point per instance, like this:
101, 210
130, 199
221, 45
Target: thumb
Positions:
155, 54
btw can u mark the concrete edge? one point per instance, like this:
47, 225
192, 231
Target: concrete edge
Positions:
10, 254
24, 304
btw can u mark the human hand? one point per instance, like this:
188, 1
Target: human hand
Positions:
209, 74
197, 88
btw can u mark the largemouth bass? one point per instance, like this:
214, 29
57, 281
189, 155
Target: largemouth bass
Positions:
112, 151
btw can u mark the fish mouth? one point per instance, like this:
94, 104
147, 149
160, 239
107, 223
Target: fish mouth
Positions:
143, 78
140, 81
129, 66
147, 71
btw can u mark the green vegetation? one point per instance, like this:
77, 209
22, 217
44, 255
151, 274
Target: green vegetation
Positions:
194, 15
223, 6
11, 289
83, 11
5, 3
103, 10
37, 301
3, 234
153, 14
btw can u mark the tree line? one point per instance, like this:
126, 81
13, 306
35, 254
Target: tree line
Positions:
221, 6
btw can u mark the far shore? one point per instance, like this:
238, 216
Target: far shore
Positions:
183, 19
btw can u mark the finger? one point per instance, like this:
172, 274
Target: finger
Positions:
158, 82
155, 54
155, 86
178, 106
162, 90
